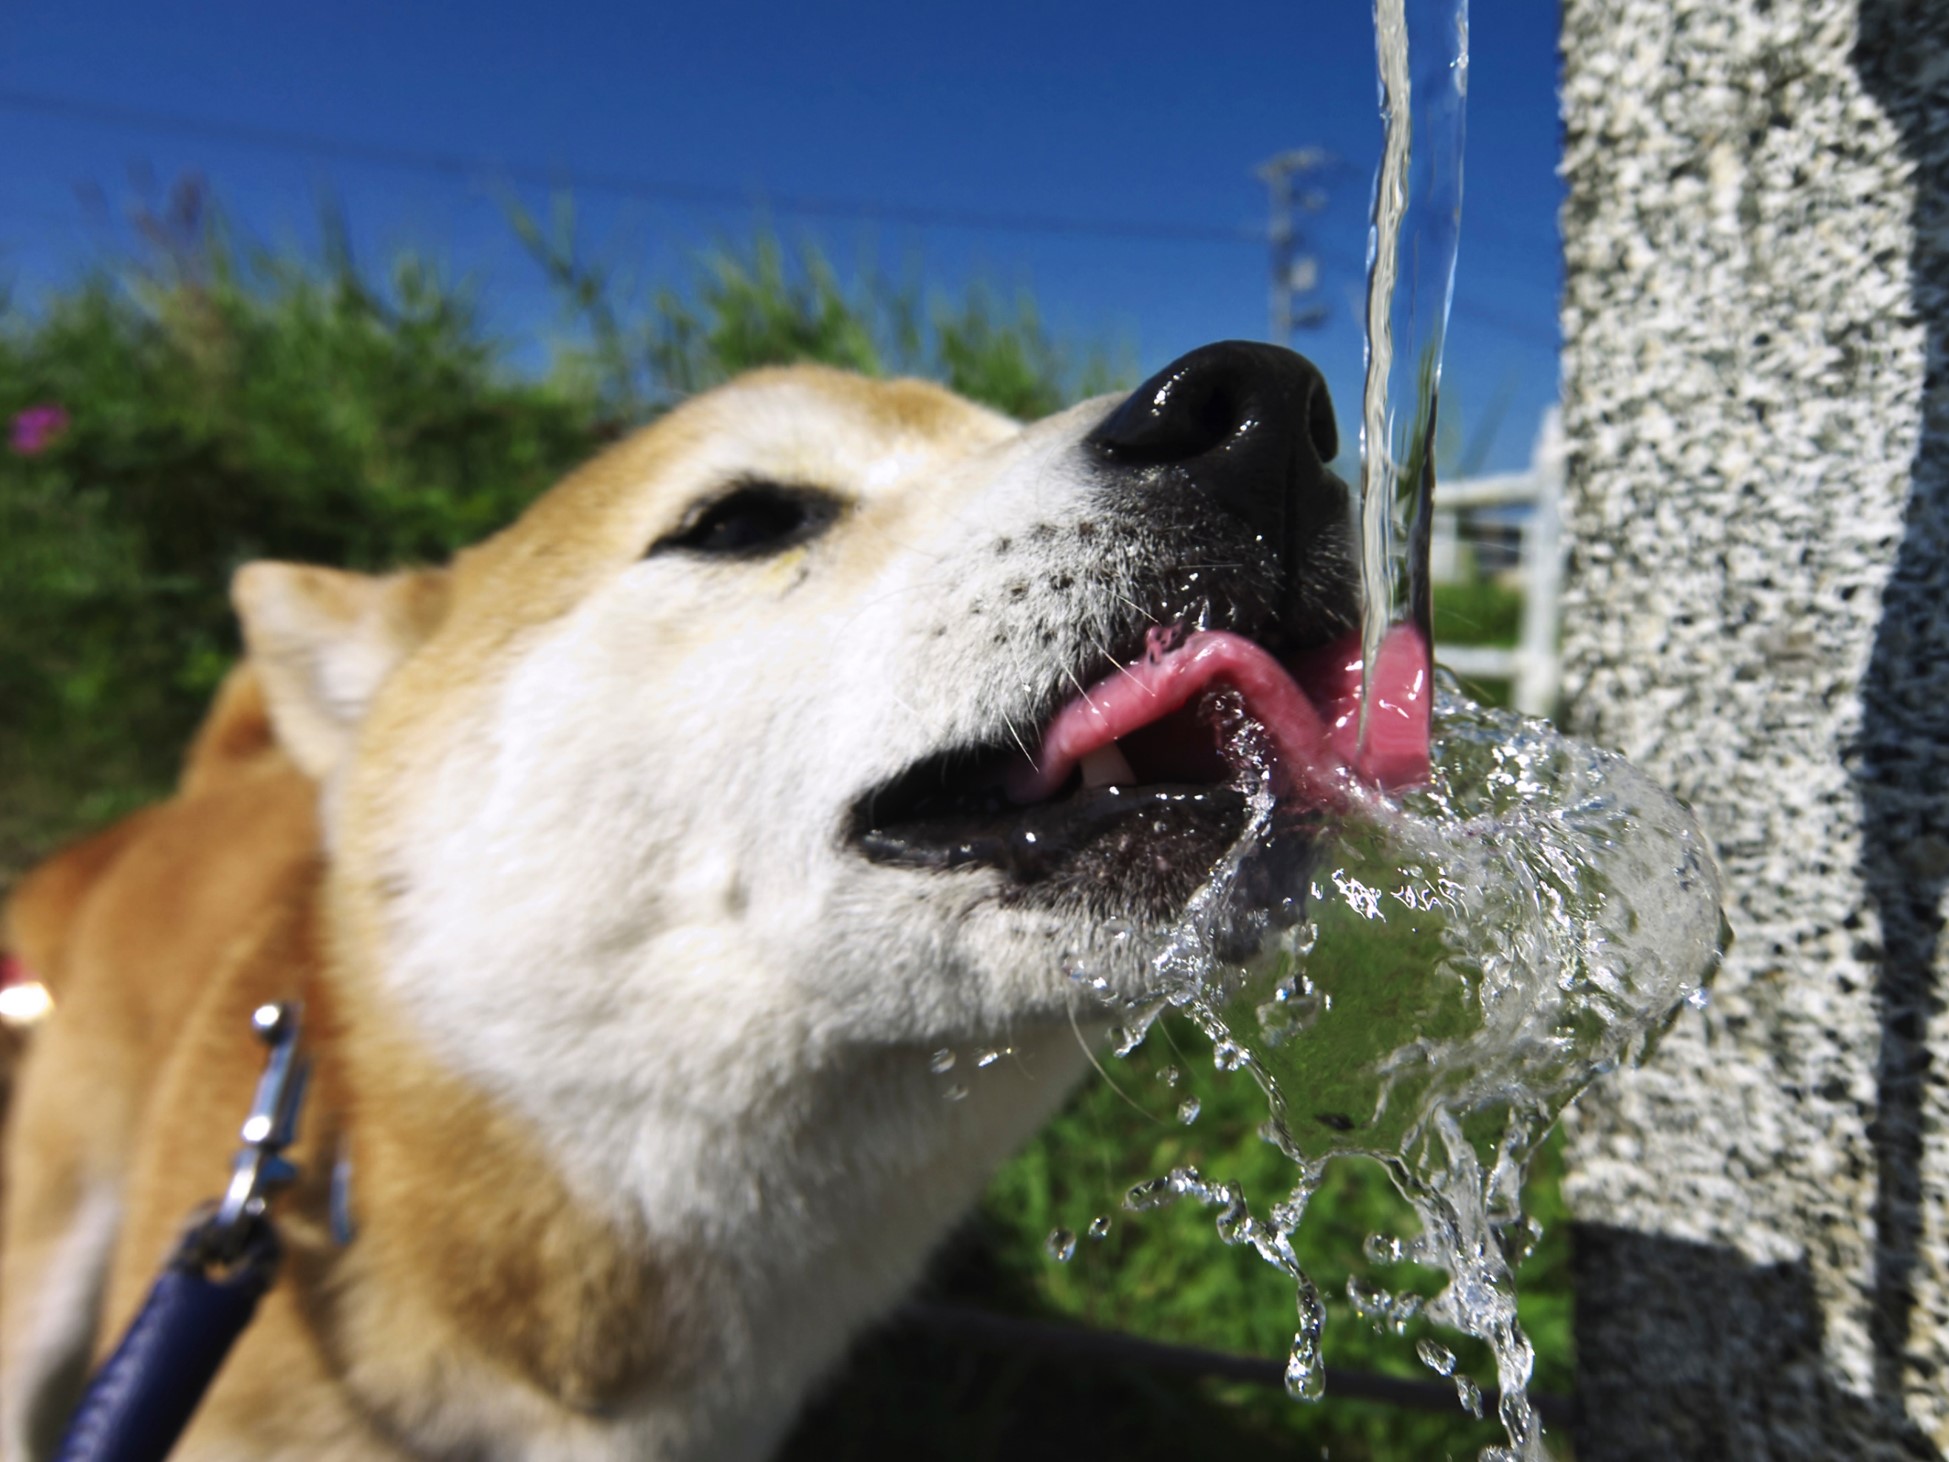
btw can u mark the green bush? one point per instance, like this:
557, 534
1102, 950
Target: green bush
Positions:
226, 403
754, 304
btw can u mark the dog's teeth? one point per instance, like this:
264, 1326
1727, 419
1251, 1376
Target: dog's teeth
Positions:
1107, 767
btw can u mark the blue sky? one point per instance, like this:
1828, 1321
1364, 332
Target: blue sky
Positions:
1138, 123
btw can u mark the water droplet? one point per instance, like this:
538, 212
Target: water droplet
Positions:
1100, 1226
1469, 1394
941, 1062
1170, 1075
1366, 1299
1436, 1357
1227, 1055
1154, 1193
1519, 1240
1234, 1218
956, 1093
1698, 999
1281, 1020
1188, 1110
1384, 1249
1305, 1376
1124, 1039
988, 1058
1382, 1309
1061, 1245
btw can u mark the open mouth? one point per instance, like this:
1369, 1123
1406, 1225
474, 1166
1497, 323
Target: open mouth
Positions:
1158, 759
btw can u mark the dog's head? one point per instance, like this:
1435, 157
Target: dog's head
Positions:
822, 714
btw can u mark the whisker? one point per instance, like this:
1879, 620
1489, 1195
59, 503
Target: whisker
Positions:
1016, 736
1080, 690
1128, 673
1084, 1046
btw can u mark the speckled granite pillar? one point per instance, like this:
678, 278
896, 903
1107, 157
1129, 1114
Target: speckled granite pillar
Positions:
1757, 407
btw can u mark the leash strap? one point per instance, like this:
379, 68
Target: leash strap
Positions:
139, 1402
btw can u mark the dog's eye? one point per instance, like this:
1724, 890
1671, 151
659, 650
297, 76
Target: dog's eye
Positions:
755, 519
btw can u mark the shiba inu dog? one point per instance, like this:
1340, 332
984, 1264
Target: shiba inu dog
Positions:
629, 870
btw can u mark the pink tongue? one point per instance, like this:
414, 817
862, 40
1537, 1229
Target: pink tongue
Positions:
1396, 752
1313, 739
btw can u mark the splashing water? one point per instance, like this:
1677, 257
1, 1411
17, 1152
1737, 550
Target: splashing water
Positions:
1471, 956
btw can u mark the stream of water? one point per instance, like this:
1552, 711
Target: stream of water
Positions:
1422, 47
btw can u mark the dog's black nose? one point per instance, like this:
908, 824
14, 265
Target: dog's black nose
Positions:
1251, 425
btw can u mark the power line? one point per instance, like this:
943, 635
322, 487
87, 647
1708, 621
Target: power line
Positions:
474, 168
9, 213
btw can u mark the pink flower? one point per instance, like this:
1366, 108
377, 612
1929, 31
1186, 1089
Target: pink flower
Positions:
36, 429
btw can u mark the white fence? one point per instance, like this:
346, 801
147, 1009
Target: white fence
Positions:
1533, 665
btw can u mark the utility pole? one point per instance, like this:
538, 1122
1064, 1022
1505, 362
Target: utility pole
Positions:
1295, 269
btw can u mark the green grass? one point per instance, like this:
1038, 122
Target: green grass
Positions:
1166, 1275
1477, 612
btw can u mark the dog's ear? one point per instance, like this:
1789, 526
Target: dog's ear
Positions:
323, 641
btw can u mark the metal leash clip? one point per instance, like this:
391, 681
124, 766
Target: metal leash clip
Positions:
139, 1402
260, 1168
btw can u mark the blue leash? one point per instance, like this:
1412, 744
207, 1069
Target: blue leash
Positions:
138, 1403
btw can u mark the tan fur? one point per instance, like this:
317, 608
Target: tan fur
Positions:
42, 912
131, 930
161, 934
487, 1295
